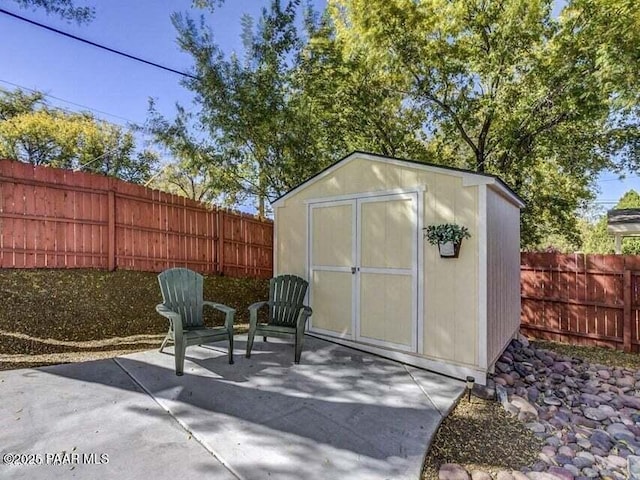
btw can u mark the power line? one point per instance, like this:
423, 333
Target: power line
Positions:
97, 45
619, 179
70, 102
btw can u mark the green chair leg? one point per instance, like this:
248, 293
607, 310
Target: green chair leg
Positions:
231, 348
250, 338
179, 356
164, 343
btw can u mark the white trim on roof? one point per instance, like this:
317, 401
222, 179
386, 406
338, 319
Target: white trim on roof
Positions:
468, 178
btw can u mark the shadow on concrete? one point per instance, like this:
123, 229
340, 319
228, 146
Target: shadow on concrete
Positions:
339, 414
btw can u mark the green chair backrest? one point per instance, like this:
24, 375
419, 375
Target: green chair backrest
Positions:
182, 293
286, 297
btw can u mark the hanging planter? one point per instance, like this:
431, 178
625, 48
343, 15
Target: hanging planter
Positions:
448, 237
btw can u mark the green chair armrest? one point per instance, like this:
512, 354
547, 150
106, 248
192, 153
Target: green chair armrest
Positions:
257, 305
220, 307
228, 311
174, 318
303, 315
253, 314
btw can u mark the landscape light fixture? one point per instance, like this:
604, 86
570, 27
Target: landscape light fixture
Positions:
470, 382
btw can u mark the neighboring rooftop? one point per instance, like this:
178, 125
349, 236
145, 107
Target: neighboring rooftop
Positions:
623, 222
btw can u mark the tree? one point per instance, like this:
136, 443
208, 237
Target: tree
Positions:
506, 88
65, 9
193, 172
294, 104
247, 106
33, 132
351, 105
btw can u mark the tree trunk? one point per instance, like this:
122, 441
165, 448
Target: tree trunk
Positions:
480, 161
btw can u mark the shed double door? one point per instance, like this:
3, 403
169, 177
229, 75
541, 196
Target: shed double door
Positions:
363, 269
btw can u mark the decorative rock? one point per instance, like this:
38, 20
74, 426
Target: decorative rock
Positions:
600, 440
561, 473
452, 471
508, 378
574, 470
484, 392
562, 459
536, 427
633, 469
630, 401
527, 411
541, 476
616, 461
582, 461
585, 422
478, 475
587, 415
511, 409
590, 473
583, 443
604, 374
503, 367
626, 381
590, 400
501, 394
595, 414
568, 451
619, 431
553, 441
608, 410
552, 401
598, 452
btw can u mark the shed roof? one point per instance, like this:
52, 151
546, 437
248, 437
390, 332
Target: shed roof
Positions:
491, 180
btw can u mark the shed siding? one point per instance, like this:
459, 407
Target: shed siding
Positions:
450, 285
503, 273
450, 292
291, 239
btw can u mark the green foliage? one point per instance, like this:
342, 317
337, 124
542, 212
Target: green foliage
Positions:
64, 9
546, 102
446, 232
193, 172
32, 132
246, 106
506, 88
291, 106
596, 239
630, 199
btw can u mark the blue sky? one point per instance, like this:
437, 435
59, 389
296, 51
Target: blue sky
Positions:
118, 89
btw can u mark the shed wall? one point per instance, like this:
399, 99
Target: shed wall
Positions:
450, 292
503, 273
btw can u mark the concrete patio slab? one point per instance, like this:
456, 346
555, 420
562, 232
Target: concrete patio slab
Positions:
341, 413
96, 414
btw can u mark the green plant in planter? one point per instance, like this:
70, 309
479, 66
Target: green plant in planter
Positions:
447, 232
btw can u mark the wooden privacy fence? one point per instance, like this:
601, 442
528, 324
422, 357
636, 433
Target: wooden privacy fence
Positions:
582, 299
53, 218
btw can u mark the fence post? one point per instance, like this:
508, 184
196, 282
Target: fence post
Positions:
221, 241
111, 230
626, 295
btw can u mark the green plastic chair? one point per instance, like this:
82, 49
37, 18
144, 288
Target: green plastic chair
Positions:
182, 304
287, 314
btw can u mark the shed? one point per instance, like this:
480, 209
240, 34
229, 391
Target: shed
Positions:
355, 231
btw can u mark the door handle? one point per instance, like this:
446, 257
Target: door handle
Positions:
353, 270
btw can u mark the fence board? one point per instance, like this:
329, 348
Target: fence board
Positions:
53, 218
582, 299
